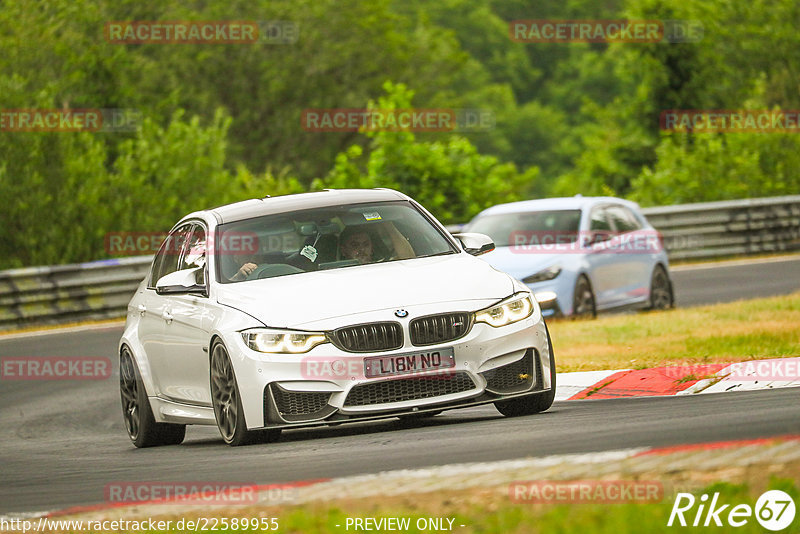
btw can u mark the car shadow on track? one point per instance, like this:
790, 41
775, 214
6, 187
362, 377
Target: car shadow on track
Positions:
366, 428
355, 429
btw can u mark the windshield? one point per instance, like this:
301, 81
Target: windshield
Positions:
529, 227
326, 238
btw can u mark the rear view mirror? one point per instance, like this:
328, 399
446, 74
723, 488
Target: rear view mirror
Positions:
475, 244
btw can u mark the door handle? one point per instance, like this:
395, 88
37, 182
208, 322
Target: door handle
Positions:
142, 309
167, 316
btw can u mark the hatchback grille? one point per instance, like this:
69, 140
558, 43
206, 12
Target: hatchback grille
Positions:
368, 337
299, 402
513, 377
442, 328
405, 389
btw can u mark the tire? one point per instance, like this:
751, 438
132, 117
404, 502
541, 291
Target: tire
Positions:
532, 404
136, 413
583, 302
227, 403
661, 294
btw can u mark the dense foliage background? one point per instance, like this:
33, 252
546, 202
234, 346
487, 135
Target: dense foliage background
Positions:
222, 122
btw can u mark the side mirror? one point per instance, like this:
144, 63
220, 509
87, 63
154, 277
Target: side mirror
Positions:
183, 281
475, 244
598, 236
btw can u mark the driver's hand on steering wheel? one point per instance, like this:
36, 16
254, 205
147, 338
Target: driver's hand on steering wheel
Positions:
244, 271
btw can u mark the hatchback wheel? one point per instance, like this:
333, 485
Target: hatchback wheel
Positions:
583, 306
139, 421
228, 403
661, 296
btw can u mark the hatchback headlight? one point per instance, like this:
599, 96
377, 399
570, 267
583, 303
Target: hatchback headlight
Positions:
512, 310
543, 275
282, 341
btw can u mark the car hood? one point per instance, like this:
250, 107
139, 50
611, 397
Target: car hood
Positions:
520, 263
294, 300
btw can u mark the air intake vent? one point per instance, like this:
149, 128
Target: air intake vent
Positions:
514, 377
299, 402
405, 389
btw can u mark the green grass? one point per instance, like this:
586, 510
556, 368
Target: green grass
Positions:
500, 515
737, 331
512, 518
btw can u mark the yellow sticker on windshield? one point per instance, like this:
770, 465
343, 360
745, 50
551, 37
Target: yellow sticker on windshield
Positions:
373, 216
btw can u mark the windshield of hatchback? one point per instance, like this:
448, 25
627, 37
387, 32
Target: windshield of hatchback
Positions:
542, 227
326, 238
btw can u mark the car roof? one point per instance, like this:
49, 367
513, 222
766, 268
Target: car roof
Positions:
286, 203
562, 203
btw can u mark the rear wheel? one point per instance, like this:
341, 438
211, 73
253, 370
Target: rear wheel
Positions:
583, 304
227, 403
537, 402
661, 296
139, 421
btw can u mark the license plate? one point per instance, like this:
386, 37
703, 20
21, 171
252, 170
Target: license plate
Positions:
413, 362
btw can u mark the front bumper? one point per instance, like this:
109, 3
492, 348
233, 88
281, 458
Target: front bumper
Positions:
327, 385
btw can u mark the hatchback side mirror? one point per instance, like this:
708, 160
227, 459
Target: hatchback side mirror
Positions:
475, 244
598, 236
183, 281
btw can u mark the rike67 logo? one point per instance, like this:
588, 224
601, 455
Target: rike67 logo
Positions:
774, 510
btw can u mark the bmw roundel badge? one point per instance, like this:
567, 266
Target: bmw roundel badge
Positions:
401, 313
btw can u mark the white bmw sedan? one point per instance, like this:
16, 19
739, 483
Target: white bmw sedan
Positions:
324, 308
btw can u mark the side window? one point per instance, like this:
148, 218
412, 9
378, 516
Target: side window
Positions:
166, 260
623, 219
635, 219
194, 254
599, 221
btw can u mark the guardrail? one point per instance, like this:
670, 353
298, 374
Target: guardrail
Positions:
99, 290
66, 293
728, 228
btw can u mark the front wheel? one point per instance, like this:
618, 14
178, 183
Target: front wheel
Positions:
661, 295
139, 421
537, 402
583, 303
227, 403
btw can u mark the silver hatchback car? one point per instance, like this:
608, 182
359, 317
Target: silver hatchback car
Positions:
579, 255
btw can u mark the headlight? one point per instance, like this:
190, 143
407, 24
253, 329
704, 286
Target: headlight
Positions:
543, 275
514, 309
282, 341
